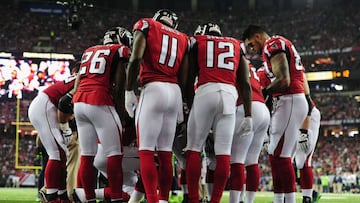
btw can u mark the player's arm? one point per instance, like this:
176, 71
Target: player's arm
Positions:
135, 59
118, 91
280, 68
183, 72
192, 72
244, 85
306, 123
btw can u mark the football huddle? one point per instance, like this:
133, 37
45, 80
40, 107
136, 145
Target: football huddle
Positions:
153, 96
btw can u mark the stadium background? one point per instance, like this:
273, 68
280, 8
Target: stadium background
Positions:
39, 40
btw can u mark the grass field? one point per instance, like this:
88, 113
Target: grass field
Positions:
28, 195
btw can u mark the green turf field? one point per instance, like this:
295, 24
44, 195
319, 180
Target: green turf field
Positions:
28, 195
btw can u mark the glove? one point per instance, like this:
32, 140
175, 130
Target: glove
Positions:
246, 126
304, 140
130, 102
67, 136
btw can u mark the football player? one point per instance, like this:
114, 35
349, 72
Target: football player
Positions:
55, 140
159, 57
219, 64
245, 150
98, 99
284, 67
308, 135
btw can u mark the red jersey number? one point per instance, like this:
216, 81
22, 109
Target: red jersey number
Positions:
223, 57
97, 61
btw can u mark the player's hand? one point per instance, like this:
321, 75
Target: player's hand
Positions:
130, 102
67, 136
246, 126
304, 143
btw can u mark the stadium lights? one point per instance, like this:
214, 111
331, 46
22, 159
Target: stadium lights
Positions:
5, 54
48, 55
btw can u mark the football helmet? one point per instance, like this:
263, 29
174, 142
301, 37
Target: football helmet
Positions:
208, 29
167, 17
118, 35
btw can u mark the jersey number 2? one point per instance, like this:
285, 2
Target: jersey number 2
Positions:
97, 61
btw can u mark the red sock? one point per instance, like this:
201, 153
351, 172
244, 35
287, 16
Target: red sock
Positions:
115, 176
87, 176
107, 193
221, 177
52, 171
275, 174
193, 172
252, 177
237, 176
62, 175
288, 178
149, 175
306, 178
166, 174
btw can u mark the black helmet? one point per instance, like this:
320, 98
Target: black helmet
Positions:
208, 29
117, 35
167, 17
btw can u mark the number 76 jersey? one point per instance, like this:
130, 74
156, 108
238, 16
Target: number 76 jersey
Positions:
217, 58
165, 50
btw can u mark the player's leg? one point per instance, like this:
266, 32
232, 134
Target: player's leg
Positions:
41, 108
204, 106
290, 112
261, 119
223, 127
88, 145
72, 164
166, 138
149, 120
223, 134
109, 134
239, 148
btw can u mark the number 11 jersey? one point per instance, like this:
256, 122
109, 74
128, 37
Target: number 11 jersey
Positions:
165, 50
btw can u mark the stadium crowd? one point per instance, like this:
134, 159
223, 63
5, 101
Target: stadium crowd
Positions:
331, 26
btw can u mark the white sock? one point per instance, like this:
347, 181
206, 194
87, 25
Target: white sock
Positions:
80, 192
242, 194
163, 201
51, 191
99, 194
307, 192
290, 197
60, 192
234, 196
279, 198
250, 196
135, 197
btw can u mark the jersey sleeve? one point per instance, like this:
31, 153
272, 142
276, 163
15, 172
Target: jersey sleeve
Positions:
142, 25
124, 52
274, 46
